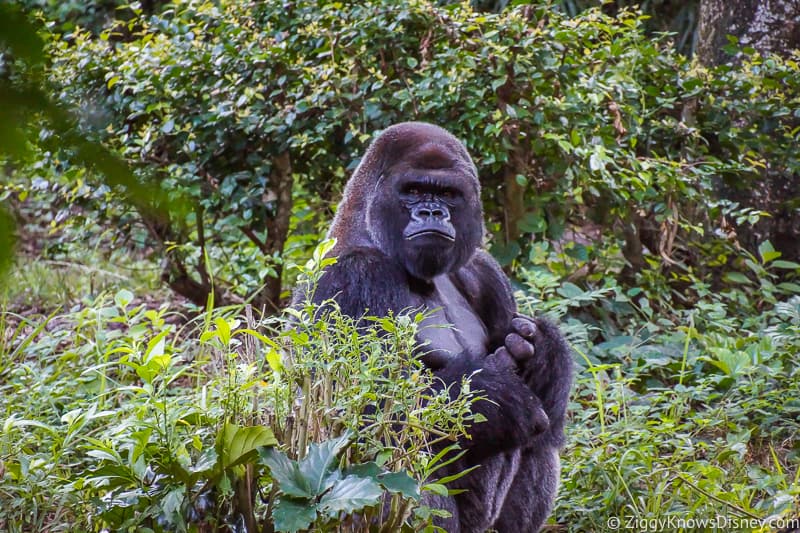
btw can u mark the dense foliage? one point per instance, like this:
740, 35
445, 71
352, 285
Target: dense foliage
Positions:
167, 428
609, 165
586, 131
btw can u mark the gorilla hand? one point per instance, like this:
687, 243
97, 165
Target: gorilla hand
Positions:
521, 343
541, 358
528, 345
505, 360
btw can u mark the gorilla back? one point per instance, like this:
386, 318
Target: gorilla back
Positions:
408, 233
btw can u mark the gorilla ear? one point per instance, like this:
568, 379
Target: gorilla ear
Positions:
432, 156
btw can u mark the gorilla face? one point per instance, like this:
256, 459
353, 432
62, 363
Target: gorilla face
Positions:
431, 219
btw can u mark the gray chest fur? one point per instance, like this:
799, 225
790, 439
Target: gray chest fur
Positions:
467, 332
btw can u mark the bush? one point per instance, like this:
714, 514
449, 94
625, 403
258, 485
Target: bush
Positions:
586, 131
123, 421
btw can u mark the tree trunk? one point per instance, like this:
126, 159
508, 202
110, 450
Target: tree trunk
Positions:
269, 298
769, 27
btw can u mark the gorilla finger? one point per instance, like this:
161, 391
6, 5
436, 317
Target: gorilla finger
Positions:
519, 348
524, 326
541, 422
501, 360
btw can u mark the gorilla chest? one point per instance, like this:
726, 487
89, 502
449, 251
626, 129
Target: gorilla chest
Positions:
448, 307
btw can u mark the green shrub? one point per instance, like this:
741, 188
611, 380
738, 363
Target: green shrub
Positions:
115, 418
588, 133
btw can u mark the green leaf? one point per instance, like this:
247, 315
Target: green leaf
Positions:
274, 360
767, 252
19, 35
532, 223
317, 463
736, 277
370, 470
400, 482
286, 473
575, 137
349, 495
8, 237
223, 330
171, 503
789, 287
123, 298
790, 265
239, 444
292, 515
436, 488
263, 338
155, 348
570, 290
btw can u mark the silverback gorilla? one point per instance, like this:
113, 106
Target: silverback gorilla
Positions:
409, 233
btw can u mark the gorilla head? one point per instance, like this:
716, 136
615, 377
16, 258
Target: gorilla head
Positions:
415, 197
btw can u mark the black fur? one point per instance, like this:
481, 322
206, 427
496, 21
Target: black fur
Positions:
522, 365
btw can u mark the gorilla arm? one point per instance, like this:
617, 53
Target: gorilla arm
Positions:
536, 346
364, 280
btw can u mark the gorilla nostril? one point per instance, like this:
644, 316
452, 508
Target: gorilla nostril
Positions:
423, 212
438, 213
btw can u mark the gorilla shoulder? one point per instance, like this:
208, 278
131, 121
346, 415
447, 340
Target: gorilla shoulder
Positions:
365, 281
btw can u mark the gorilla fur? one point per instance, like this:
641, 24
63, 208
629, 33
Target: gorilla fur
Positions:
409, 232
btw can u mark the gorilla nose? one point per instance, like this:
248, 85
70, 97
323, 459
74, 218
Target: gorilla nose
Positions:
428, 211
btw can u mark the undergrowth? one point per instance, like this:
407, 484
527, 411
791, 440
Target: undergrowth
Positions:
118, 413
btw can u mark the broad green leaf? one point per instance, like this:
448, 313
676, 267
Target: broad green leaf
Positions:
155, 348
505, 253
349, 495
171, 503
400, 482
239, 444
370, 470
596, 162
316, 464
788, 286
292, 515
286, 473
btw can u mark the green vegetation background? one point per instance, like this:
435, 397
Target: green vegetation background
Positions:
160, 157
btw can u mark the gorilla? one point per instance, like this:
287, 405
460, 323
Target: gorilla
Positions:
409, 232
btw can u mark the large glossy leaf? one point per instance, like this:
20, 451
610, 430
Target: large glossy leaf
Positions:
370, 470
400, 482
286, 473
293, 515
317, 463
239, 444
349, 495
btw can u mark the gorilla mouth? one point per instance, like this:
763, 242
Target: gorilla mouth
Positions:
431, 232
